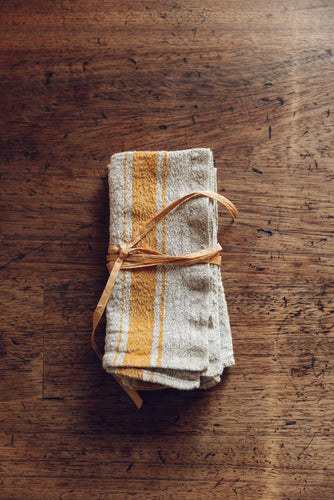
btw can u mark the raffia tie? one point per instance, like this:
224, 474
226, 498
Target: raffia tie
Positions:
128, 256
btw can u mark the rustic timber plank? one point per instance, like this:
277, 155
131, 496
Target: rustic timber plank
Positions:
254, 82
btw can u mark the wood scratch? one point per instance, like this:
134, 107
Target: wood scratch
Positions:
21, 256
305, 448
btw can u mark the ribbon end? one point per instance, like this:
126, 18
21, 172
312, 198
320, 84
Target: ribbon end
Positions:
132, 393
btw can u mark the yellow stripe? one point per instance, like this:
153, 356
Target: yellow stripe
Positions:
124, 239
143, 283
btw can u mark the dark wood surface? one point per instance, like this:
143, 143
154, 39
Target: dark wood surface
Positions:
254, 81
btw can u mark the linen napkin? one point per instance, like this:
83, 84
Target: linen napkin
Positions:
167, 326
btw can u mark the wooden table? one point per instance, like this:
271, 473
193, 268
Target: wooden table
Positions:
254, 81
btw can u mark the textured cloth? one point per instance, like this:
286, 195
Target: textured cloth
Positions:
167, 326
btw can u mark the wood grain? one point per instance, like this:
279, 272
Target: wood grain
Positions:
254, 82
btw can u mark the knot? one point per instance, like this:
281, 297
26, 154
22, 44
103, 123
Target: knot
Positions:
124, 250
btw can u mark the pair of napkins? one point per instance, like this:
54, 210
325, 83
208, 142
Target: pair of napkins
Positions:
167, 326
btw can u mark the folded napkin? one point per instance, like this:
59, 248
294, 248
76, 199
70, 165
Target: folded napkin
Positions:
166, 326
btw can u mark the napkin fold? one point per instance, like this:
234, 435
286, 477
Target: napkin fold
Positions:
166, 326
